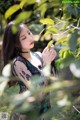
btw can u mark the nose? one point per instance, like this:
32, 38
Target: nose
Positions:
32, 36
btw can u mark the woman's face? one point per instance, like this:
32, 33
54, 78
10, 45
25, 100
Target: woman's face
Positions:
26, 38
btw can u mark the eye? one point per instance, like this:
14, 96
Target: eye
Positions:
29, 33
23, 38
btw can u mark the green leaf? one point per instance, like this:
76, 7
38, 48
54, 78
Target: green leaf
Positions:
58, 63
13, 90
47, 21
50, 43
14, 29
64, 53
22, 16
73, 41
12, 10
60, 25
70, 9
42, 9
78, 52
60, 41
24, 2
31, 1
75, 68
75, 12
65, 61
51, 29
46, 34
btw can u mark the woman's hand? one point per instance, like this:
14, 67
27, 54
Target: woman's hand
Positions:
48, 55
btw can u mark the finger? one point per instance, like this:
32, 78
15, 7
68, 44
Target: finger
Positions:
52, 54
52, 51
52, 46
45, 49
55, 53
52, 57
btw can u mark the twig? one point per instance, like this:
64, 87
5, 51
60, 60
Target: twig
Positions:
76, 109
75, 27
78, 22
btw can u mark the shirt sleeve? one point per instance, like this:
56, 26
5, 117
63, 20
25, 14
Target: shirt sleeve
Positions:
20, 70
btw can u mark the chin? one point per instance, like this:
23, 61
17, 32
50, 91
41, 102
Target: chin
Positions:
32, 45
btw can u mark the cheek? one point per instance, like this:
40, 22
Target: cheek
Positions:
25, 44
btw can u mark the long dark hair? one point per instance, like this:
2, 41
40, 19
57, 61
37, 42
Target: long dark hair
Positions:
11, 44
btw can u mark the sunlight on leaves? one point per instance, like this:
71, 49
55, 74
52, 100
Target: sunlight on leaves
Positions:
31, 1
52, 29
60, 25
26, 2
11, 10
63, 102
43, 9
75, 68
46, 34
14, 29
47, 21
23, 2
38, 1
50, 43
22, 16
7, 70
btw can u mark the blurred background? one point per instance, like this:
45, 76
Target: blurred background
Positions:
49, 20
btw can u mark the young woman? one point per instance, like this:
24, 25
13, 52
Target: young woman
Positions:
17, 48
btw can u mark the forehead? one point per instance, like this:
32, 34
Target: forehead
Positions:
24, 29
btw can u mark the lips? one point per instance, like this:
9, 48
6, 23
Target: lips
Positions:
32, 43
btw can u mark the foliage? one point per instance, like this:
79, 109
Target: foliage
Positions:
61, 22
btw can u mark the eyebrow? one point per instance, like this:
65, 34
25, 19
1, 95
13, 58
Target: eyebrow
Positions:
23, 37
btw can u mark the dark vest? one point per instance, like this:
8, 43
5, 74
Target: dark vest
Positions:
44, 105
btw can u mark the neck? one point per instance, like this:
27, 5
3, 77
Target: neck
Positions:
26, 54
